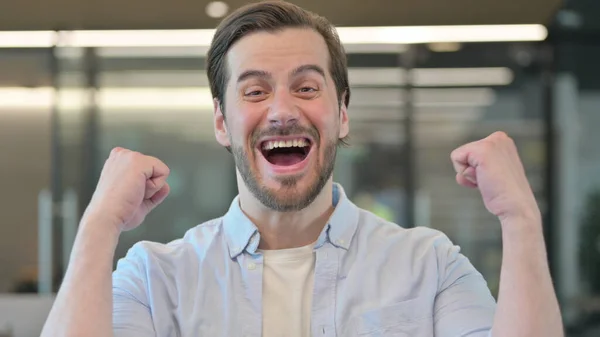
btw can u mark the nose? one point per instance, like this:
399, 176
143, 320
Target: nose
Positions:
283, 112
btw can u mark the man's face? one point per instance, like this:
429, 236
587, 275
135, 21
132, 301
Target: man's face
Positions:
282, 117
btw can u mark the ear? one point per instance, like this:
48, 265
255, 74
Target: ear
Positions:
221, 132
344, 123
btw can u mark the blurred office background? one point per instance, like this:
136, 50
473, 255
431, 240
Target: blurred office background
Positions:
69, 93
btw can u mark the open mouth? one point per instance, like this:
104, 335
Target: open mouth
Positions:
286, 152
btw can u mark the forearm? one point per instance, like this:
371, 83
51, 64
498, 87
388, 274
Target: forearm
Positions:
527, 304
83, 306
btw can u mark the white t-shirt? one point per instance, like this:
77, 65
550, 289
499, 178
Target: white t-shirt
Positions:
288, 280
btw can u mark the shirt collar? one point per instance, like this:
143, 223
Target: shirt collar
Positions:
241, 234
342, 224
239, 229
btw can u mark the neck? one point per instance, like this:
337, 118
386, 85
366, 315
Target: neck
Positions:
281, 230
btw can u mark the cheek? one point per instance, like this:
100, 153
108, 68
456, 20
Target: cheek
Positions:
247, 122
324, 117
240, 118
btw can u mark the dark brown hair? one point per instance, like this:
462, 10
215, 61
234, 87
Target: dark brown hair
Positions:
272, 16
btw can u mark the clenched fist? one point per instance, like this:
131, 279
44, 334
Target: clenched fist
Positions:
493, 165
131, 185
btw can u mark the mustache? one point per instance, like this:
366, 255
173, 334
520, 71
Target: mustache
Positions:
292, 130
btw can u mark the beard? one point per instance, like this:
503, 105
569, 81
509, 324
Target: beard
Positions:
288, 197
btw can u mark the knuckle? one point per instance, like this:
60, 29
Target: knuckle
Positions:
134, 155
504, 139
456, 152
135, 158
120, 152
501, 134
127, 157
115, 151
159, 163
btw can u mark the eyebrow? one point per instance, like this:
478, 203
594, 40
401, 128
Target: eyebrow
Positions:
308, 68
267, 75
253, 73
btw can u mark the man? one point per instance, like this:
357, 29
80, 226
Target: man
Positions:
293, 256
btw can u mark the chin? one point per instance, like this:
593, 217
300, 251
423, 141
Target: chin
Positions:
288, 186
285, 176
291, 193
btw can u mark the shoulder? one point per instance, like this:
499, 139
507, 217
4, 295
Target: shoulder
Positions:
189, 248
378, 232
420, 246
417, 256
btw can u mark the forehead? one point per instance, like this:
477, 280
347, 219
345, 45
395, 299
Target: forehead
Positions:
278, 52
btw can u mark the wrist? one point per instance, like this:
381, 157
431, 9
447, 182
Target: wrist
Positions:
529, 214
101, 224
522, 226
95, 236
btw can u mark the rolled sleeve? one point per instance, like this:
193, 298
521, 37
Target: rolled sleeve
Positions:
131, 308
463, 305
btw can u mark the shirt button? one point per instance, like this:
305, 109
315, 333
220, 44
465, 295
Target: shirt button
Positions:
340, 242
251, 266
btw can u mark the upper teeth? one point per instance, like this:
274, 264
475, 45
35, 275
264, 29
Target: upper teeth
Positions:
271, 144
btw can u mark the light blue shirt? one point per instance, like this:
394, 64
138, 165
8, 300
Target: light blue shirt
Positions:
372, 278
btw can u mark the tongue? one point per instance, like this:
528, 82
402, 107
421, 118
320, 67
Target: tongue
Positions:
285, 159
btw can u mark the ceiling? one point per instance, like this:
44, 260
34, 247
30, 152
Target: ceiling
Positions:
188, 14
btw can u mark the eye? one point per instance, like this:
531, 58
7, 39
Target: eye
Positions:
307, 89
254, 93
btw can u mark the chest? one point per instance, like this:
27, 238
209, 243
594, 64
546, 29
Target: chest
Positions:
335, 297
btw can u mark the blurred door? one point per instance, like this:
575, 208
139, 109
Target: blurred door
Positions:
25, 134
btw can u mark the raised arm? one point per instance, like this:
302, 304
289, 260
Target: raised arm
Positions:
130, 186
527, 303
